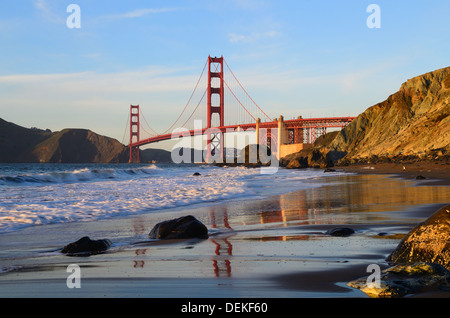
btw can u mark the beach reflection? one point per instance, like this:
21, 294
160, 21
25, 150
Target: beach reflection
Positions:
350, 199
341, 200
222, 266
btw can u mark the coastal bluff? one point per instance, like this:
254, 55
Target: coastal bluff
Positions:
32, 145
413, 123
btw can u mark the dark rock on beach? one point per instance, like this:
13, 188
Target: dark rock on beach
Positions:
85, 246
340, 231
422, 261
406, 279
427, 242
180, 228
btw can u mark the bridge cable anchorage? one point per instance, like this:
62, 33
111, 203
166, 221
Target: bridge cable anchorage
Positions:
245, 90
195, 88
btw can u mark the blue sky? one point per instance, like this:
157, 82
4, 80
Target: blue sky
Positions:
302, 57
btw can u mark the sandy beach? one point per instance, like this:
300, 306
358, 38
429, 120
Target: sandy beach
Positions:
269, 248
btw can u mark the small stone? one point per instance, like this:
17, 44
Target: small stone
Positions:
340, 231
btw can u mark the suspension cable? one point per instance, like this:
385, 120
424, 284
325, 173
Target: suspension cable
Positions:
142, 114
196, 108
245, 90
201, 75
126, 128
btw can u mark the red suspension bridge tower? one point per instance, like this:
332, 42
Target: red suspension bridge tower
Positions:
243, 115
215, 105
134, 132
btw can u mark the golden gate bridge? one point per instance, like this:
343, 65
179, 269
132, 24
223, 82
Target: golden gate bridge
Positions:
241, 114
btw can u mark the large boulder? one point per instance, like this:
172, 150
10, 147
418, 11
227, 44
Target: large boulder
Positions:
180, 228
427, 242
402, 280
85, 247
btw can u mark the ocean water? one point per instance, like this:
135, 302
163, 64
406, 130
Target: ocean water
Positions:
35, 194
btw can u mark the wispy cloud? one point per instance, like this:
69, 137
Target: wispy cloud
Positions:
47, 12
250, 4
241, 38
161, 91
140, 13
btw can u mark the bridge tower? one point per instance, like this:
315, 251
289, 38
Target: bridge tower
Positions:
215, 105
134, 132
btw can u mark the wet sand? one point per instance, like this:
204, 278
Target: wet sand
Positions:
427, 172
267, 248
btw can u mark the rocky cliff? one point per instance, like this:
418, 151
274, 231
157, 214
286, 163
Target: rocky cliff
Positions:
413, 122
79, 146
19, 144
25, 145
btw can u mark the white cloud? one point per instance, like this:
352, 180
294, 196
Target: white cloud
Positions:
236, 38
240, 38
89, 99
139, 13
47, 12
250, 4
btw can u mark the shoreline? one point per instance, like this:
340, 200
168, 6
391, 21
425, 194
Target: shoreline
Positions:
433, 172
272, 247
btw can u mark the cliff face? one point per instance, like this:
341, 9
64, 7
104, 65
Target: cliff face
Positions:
79, 146
19, 144
414, 122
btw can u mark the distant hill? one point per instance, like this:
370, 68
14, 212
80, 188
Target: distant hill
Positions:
79, 146
411, 123
19, 144
158, 155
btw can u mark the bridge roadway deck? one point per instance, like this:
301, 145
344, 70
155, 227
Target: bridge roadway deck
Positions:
303, 123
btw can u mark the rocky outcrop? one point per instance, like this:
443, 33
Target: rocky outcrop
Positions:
402, 280
86, 247
422, 261
310, 158
180, 228
412, 123
427, 242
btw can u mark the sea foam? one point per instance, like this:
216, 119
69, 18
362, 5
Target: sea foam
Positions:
54, 193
